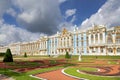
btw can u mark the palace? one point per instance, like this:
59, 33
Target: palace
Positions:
97, 40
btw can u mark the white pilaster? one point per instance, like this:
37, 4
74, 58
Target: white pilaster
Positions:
98, 38
66, 42
104, 51
89, 39
69, 41
103, 37
99, 50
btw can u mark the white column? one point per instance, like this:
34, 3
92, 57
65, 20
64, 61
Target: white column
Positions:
66, 42
69, 41
62, 42
103, 37
89, 39
113, 38
51, 44
104, 50
98, 38
90, 51
99, 50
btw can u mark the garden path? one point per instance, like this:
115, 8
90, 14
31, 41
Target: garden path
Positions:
55, 75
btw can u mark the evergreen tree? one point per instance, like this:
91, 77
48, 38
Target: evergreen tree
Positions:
8, 56
67, 56
25, 55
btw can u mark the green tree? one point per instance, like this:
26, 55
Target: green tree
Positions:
67, 56
8, 56
25, 55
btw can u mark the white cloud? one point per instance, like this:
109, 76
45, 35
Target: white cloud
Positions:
4, 5
62, 1
67, 25
108, 14
12, 12
11, 34
73, 19
70, 12
39, 15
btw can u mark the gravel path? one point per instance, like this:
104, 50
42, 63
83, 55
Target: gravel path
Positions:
55, 75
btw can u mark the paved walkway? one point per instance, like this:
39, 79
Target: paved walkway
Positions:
3, 77
55, 75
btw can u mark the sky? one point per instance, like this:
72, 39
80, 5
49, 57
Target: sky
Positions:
28, 20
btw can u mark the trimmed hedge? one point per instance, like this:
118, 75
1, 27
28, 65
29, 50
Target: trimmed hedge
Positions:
8, 56
67, 56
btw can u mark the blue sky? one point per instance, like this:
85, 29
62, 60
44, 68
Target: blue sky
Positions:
28, 20
84, 8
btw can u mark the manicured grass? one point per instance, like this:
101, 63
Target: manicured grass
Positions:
25, 76
22, 58
113, 62
93, 57
24, 64
88, 69
87, 58
73, 71
100, 57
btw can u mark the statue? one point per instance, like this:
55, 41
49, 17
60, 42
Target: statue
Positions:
79, 59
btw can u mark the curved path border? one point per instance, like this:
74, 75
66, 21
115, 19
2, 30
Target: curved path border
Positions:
72, 75
94, 74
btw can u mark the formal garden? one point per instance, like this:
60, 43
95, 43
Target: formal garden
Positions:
89, 68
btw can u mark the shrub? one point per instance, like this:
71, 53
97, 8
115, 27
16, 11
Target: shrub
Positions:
67, 56
53, 62
25, 55
8, 56
2, 54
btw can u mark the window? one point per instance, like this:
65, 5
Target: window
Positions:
101, 50
96, 37
110, 50
101, 36
118, 49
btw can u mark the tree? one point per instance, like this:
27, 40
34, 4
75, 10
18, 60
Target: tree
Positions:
8, 56
67, 56
25, 55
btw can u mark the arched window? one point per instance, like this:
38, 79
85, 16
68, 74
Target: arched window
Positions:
110, 50
92, 39
118, 50
96, 37
101, 36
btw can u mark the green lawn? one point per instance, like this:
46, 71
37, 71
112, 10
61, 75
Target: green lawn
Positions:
24, 64
73, 71
88, 69
25, 76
